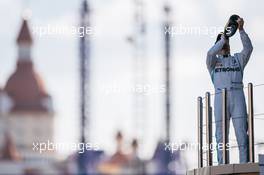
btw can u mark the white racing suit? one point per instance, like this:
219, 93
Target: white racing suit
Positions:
227, 72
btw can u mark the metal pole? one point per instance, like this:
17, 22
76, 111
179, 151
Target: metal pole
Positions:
200, 131
251, 123
84, 84
137, 40
208, 129
168, 73
224, 127
84, 70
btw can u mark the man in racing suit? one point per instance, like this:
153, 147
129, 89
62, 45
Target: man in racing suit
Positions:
227, 72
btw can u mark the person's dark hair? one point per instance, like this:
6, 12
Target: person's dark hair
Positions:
219, 37
119, 135
134, 143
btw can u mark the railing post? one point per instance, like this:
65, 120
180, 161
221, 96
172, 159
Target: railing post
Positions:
251, 123
209, 129
224, 127
200, 131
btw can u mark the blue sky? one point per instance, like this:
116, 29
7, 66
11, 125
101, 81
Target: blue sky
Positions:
56, 59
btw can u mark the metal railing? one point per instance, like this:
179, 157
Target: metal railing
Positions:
208, 125
200, 131
251, 123
225, 151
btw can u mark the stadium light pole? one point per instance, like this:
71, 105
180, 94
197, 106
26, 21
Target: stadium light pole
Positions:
84, 82
167, 38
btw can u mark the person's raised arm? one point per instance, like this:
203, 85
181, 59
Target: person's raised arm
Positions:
244, 55
211, 54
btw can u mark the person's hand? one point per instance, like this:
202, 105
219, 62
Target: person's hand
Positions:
240, 22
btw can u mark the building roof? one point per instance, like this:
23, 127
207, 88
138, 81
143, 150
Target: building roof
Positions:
24, 35
25, 86
26, 89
